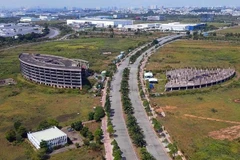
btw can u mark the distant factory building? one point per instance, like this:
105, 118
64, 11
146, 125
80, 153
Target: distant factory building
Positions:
155, 18
119, 16
176, 26
53, 136
29, 19
142, 26
102, 22
53, 71
47, 18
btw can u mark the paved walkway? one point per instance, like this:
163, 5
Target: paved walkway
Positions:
107, 140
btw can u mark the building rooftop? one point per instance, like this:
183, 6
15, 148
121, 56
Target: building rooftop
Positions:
48, 134
50, 61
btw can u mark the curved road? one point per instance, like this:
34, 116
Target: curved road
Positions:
121, 135
154, 145
54, 32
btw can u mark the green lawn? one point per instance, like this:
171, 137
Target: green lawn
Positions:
191, 134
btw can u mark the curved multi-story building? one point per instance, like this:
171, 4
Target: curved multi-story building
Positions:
53, 71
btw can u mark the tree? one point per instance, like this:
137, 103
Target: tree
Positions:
22, 131
90, 136
41, 154
99, 113
10, 135
17, 124
95, 146
44, 144
77, 145
84, 131
86, 142
146, 155
110, 129
47, 124
91, 116
98, 135
173, 149
155, 41
77, 125
43, 125
53, 122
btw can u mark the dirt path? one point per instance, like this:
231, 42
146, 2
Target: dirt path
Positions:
211, 119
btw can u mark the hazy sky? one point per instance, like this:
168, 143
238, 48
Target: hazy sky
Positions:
118, 3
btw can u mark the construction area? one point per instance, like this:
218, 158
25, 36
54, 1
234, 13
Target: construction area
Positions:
191, 78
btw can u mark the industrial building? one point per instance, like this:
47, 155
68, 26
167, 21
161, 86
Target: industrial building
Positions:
102, 22
53, 136
176, 26
155, 18
143, 26
29, 19
53, 71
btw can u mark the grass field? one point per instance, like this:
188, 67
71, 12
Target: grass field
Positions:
235, 29
82, 153
32, 103
192, 134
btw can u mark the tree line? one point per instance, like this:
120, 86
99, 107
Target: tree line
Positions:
134, 57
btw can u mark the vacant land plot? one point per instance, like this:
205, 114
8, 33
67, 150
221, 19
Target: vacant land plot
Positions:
235, 29
191, 133
32, 103
82, 153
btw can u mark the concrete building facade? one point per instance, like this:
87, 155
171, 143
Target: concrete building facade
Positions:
53, 136
53, 71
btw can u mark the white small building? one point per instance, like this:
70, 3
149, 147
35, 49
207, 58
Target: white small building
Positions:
53, 136
148, 75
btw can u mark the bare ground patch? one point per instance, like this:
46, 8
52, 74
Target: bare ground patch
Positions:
230, 133
237, 100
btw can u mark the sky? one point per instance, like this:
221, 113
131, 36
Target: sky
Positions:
117, 3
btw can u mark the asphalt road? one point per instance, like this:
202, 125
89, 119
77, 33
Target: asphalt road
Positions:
121, 135
54, 32
154, 146
118, 121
